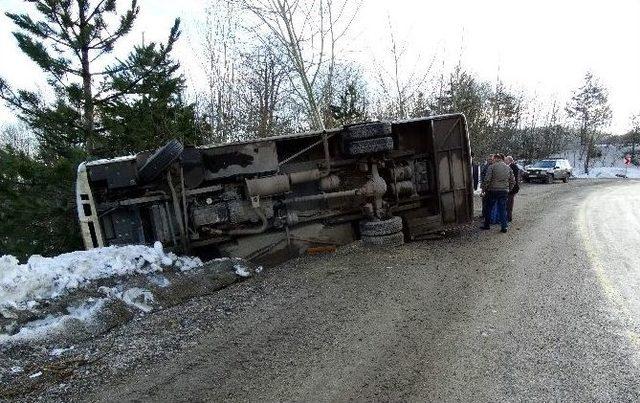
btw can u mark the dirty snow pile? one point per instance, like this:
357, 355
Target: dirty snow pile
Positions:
86, 312
83, 294
22, 286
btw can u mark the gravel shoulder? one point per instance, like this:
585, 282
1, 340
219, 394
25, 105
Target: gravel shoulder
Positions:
482, 316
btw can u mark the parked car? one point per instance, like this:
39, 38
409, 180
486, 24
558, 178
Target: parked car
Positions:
548, 170
270, 199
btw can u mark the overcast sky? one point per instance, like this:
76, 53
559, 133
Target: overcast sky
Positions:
543, 47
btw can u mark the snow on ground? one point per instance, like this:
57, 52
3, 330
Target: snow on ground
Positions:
609, 165
82, 294
241, 269
28, 290
42, 328
632, 172
23, 286
57, 352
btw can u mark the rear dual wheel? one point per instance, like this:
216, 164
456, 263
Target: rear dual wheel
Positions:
396, 239
367, 138
370, 146
363, 131
386, 232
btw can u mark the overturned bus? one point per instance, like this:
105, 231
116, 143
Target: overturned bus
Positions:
270, 199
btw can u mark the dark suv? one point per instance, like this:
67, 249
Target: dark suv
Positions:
548, 170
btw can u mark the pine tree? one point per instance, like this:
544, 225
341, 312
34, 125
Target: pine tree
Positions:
70, 42
350, 107
152, 109
37, 206
464, 93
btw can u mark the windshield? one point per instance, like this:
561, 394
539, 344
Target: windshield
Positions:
544, 164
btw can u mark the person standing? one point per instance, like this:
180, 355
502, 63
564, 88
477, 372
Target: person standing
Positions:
516, 187
498, 182
485, 197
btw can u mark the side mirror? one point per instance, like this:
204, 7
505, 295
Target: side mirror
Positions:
557, 167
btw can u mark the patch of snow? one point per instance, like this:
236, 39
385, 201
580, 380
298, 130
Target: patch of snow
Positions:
8, 314
41, 328
241, 270
109, 291
23, 285
238, 266
139, 298
57, 352
610, 173
159, 280
16, 370
35, 375
136, 297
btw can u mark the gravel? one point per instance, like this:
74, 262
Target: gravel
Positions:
480, 316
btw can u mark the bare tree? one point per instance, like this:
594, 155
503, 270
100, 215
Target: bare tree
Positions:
263, 91
219, 44
401, 80
309, 31
19, 137
589, 108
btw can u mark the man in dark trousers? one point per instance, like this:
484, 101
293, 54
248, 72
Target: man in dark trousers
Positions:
485, 197
516, 188
498, 182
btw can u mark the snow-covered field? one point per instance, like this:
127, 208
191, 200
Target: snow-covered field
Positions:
53, 296
609, 165
632, 172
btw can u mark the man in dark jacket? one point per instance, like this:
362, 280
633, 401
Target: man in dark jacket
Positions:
516, 188
485, 196
498, 182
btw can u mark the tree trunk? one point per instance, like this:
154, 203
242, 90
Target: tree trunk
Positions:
588, 157
87, 93
87, 118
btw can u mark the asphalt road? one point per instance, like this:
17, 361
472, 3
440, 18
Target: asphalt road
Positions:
549, 311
